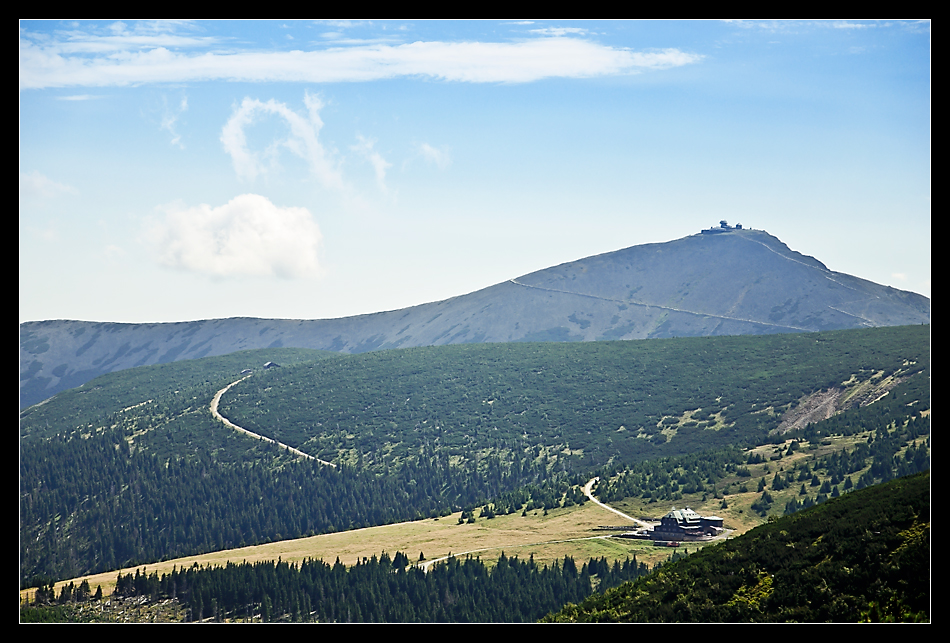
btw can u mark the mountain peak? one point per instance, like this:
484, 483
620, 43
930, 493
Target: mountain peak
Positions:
733, 281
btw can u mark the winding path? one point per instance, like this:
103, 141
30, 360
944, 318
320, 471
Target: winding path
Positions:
634, 302
425, 565
226, 421
827, 275
590, 496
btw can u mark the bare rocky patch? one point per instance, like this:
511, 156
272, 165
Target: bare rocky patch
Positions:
824, 404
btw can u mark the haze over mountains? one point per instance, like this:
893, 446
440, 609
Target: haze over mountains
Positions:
736, 282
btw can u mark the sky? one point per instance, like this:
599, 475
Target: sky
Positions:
174, 171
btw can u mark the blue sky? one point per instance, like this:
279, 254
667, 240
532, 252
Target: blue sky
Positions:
193, 170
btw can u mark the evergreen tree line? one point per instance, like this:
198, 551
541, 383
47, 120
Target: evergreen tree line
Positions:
885, 465
382, 589
91, 504
669, 478
862, 557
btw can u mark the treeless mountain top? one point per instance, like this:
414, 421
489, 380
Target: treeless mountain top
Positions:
736, 282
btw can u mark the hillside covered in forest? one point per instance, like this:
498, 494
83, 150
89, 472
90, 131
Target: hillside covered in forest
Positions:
132, 467
862, 557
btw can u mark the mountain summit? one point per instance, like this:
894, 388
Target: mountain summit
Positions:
724, 281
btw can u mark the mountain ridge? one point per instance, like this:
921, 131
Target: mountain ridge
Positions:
732, 283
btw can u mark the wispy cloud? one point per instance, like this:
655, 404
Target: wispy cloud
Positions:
124, 57
248, 236
439, 157
36, 186
794, 26
303, 140
559, 31
366, 148
119, 37
170, 117
342, 24
841, 24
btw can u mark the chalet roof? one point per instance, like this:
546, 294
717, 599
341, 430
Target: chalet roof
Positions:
683, 516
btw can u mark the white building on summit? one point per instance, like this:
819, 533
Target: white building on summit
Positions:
723, 227
680, 524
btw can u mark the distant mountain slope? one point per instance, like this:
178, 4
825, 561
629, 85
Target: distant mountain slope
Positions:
862, 557
425, 431
734, 283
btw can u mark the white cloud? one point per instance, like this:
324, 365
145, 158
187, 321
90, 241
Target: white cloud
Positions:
559, 31
303, 140
852, 25
798, 26
37, 186
365, 147
77, 59
343, 24
118, 38
248, 236
434, 155
170, 117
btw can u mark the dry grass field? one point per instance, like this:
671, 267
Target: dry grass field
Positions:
563, 532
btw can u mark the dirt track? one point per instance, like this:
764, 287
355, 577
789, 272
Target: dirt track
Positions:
226, 421
590, 496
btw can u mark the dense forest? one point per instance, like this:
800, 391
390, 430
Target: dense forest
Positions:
590, 403
376, 590
137, 508
862, 557
148, 393
132, 468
